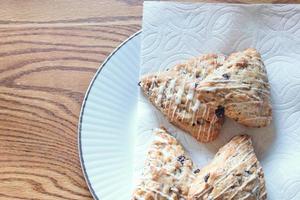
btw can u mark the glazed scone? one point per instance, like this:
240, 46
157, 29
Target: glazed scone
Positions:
168, 172
173, 92
234, 174
240, 86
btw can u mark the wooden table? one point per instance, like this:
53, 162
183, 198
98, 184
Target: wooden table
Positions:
49, 52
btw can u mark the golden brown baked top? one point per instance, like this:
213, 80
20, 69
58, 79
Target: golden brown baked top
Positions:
168, 171
233, 174
241, 87
173, 92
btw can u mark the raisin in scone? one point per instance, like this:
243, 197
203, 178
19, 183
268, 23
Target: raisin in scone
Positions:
168, 172
173, 92
234, 174
240, 86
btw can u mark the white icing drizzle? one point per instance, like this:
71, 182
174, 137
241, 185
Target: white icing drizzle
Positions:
262, 91
239, 86
160, 165
152, 82
193, 75
173, 114
170, 89
220, 81
179, 94
166, 169
196, 106
210, 126
160, 93
191, 91
170, 93
233, 167
258, 118
245, 158
210, 88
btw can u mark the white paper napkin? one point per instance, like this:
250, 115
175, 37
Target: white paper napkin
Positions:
173, 32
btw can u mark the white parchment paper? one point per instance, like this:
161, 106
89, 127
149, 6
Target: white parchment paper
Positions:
173, 32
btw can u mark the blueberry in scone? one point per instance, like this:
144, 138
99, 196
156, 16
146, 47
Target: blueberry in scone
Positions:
241, 86
234, 174
173, 92
168, 171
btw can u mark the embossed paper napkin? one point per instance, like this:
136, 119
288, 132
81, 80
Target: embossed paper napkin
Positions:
173, 32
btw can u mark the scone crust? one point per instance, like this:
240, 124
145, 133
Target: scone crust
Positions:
168, 171
234, 174
173, 93
241, 86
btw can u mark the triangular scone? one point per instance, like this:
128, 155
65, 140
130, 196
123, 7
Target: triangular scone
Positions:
241, 87
234, 174
173, 93
168, 172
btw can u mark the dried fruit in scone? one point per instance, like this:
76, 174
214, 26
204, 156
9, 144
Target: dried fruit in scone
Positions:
233, 174
173, 92
240, 86
168, 171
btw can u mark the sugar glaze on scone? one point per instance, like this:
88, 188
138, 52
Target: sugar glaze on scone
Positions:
173, 92
233, 174
168, 171
241, 87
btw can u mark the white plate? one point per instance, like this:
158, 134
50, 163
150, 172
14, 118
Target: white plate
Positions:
105, 136
187, 30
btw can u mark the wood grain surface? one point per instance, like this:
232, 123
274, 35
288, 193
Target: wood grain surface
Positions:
49, 51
